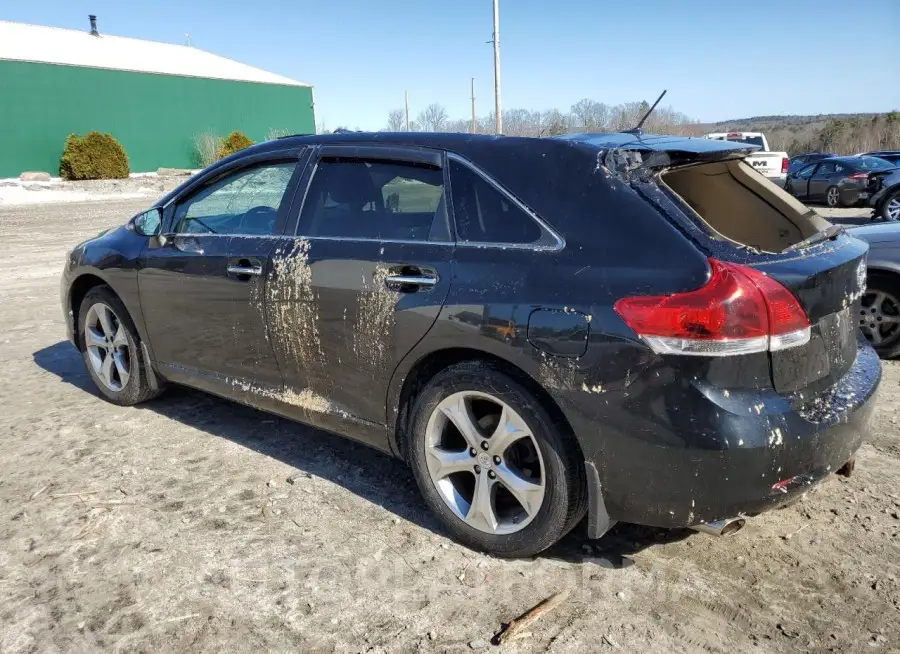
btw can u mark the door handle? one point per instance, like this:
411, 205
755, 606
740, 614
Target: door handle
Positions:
411, 280
249, 271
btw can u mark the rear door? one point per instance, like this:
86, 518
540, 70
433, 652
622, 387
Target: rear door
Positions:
364, 278
821, 180
202, 292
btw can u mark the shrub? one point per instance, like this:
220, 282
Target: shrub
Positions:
207, 148
93, 156
234, 142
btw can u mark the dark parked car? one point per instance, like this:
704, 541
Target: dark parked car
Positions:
798, 162
837, 181
879, 313
884, 189
636, 328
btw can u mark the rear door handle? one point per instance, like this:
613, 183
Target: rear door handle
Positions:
413, 280
254, 271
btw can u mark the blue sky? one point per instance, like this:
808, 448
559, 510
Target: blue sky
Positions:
718, 59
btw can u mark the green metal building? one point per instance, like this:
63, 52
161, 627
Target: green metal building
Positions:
155, 98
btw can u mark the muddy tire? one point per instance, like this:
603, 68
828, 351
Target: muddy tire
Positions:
490, 462
111, 349
879, 314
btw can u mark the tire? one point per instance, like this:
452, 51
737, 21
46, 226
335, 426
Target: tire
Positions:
833, 197
789, 188
890, 208
541, 459
880, 304
111, 349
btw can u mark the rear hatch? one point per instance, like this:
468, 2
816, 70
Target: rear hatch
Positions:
736, 217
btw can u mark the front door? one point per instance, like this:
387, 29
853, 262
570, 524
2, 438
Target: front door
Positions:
203, 291
362, 282
800, 181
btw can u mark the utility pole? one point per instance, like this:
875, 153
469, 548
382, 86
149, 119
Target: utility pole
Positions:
474, 124
499, 115
406, 95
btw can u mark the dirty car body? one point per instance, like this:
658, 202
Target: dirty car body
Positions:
292, 305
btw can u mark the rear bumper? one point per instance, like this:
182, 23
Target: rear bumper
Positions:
778, 180
760, 449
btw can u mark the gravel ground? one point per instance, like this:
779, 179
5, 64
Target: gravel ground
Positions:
192, 523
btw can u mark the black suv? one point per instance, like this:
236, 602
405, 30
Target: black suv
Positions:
636, 328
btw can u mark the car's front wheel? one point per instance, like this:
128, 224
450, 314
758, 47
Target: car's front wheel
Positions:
111, 348
492, 464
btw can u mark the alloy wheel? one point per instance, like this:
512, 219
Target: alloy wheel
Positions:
832, 197
880, 317
893, 208
107, 347
484, 462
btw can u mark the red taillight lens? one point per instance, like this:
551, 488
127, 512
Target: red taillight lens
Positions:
738, 311
859, 176
785, 163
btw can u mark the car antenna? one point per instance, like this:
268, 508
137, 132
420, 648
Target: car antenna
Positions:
637, 130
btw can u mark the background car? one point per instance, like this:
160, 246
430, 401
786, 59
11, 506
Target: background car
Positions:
879, 313
836, 181
893, 156
799, 161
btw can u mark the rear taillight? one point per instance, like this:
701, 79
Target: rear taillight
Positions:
785, 162
859, 176
738, 311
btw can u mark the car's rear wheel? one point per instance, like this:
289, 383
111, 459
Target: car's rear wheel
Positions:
833, 197
890, 210
879, 314
111, 348
492, 464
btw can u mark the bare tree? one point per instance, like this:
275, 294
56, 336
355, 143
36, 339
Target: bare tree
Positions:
396, 120
590, 115
433, 119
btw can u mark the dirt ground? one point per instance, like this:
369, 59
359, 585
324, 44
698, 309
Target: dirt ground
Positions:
174, 527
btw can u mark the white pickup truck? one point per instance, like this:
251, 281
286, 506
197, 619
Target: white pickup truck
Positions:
773, 165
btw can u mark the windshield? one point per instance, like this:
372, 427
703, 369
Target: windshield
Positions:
873, 163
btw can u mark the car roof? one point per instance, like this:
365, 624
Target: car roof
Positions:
458, 140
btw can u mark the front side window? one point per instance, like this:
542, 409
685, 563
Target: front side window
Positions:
807, 172
382, 200
484, 214
245, 202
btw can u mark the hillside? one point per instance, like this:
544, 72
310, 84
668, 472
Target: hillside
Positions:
839, 133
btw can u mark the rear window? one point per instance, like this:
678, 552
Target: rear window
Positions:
746, 140
872, 163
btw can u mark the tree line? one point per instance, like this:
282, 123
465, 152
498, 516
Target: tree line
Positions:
841, 134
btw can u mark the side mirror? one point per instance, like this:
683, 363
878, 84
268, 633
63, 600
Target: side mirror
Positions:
147, 223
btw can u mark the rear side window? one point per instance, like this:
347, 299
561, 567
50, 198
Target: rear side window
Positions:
382, 200
826, 168
486, 215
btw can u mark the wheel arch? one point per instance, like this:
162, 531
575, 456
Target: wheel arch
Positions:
78, 289
405, 390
